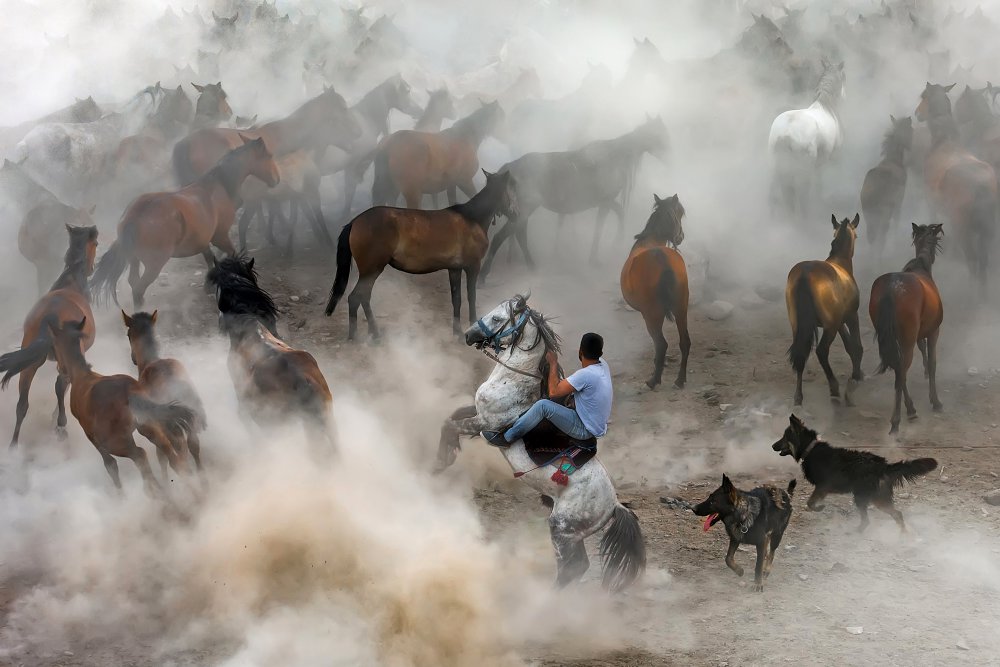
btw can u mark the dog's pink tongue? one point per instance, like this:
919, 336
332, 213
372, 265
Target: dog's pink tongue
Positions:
708, 522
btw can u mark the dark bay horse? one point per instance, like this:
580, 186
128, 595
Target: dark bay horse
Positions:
415, 163
183, 223
414, 241
906, 311
654, 281
824, 295
110, 408
885, 184
274, 382
67, 301
212, 107
317, 124
41, 234
980, 128
961, 187
600, 175
164, 380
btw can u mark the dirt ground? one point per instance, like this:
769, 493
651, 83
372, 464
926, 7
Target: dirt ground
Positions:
925, 598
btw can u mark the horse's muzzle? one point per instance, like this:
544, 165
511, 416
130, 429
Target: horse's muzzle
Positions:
474, 338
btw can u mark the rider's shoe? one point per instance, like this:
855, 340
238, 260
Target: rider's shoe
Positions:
495, 438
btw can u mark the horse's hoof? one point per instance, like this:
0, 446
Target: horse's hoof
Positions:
651, 383
679, 384
912, 417
61, 433
894, 429
937, 407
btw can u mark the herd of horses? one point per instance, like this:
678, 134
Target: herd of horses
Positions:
225, 173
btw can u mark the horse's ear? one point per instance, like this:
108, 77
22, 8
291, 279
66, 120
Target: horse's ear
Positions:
250, 263
486, 174
81, 324
69, 228
938, 228
245, 138
200, 89
656, 199
947, 89
914, 227
833, 219
152, 318
127, 320
856, 221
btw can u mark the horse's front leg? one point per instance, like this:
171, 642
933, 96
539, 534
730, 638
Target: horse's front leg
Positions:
464, 421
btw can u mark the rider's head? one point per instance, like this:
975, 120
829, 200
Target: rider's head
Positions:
591, 347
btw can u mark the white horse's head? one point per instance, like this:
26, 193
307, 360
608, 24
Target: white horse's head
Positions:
501, 326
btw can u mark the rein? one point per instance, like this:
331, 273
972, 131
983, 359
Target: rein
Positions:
494, 339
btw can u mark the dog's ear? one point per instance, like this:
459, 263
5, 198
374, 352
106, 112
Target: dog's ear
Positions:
727, 486
795, 422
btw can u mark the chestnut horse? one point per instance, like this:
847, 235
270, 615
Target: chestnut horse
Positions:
654, 281
273, 380
40, 234
906, 310
161, 225
962, 187
68, 300
111, 407
419, 242
418, 163
320, 122
164, 380
824, 294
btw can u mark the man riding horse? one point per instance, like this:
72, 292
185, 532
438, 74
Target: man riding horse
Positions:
592, 392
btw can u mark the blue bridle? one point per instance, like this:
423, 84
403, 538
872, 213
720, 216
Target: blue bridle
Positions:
495, 338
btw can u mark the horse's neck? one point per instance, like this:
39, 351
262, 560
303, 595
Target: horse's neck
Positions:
466, 132
893, 151
645, 244
78, 369
146, 352
430, 121
73, 277
841, 258
374, 108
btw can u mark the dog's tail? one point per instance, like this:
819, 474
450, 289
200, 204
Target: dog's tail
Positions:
177, 418
886, 335
806, 322
623, 550
907, 471
791, 488
344, 257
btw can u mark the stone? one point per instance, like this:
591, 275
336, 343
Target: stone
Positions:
854, 629
973, 371
294, 298
993, 497
718, 310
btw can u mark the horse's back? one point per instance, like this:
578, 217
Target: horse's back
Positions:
832, 288
67, 305
916, 303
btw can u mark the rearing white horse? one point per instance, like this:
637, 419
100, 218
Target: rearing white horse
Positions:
802, 140
585, 505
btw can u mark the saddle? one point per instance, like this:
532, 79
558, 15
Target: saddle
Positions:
545, 443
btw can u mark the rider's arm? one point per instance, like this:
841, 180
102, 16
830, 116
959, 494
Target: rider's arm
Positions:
557, 388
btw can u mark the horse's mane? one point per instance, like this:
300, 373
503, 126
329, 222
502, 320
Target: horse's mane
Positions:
472, 125
546, 334
828, 88
482, 208
670, 231
75, 260
225, 173
240, 298
928, 245
840, 240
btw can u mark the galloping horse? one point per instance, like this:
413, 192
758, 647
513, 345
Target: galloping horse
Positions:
594, 176
418, 163
906, 310
36, 237
164, 380
111, 407
962, 187
415, 241
273, 381
885, 184
802, 140
588, 502
161, 225
654, 281
320, 122
823, 294
68, 300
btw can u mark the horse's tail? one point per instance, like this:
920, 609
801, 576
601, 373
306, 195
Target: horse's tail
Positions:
383, 189
886, 333
184, 172
34, 354
104, 282
623, 550
176, 418
343, 268
806, 322
666, 287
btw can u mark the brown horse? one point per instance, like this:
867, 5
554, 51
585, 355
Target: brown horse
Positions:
980, 128
110, 408
164, 380
906, 310
823, 294
415, 241
885, 184
273, 381
68, 300
212, 107
654, 281
418, 163
38, 234
320, 122
161, 225
962, 187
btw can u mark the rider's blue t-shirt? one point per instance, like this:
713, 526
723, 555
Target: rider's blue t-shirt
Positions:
593, 396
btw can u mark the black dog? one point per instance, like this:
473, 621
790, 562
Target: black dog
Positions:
757, 517
833, 470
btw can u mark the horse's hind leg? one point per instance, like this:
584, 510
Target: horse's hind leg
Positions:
922, 346
61, 383
602, 214
151, 269
685, 345
823, 354
112, 467
932, 370
620, 212
571, 554
361, 295
654, 326
471, 276
246, 217
23, 389
898, 384
138, 456
521, 236
455, 283
855, 349
498, 239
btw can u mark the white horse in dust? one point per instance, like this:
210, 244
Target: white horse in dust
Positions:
803, 140
71, 159
588, 503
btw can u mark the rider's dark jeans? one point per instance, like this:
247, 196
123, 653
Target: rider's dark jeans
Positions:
563, 418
